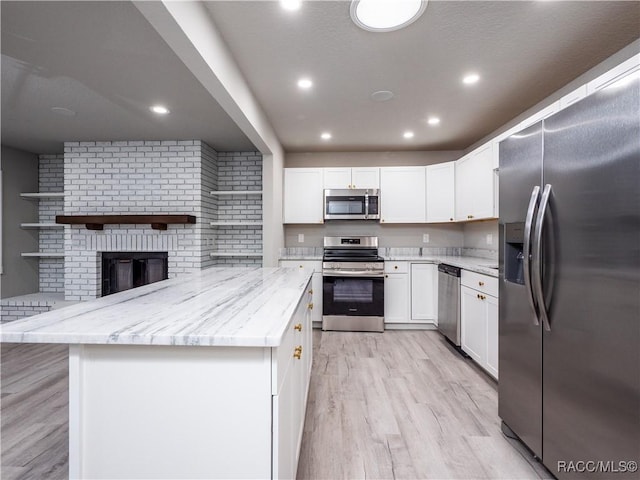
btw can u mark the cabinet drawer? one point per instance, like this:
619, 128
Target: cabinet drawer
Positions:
396, 267
480, 282
314, 265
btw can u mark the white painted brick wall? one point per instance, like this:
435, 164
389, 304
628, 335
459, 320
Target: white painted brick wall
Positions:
135, 177
51, 179
163, 177
239, 171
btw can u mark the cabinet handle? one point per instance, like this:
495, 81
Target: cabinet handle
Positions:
395, 267
469, 216
310, 306
451, 219
386, 276
300, 266
311, 292
353, 186
481, 297
297, 352
298, 327
481, 284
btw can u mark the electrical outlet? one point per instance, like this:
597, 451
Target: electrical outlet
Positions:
301, 238
489, 238
425, 238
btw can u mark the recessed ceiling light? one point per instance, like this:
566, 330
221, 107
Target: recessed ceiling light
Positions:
433, 121
326, 136
382, 95
408, 134
471, 78
159, 109
305, 83
386, 15
291, 5
67, 112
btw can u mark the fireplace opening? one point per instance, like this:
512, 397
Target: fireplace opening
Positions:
125, 270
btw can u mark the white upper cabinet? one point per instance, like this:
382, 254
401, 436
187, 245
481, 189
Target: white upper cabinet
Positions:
303, 195
403, 194
357, 177
578, 94
475, 181
625, 68
441, 192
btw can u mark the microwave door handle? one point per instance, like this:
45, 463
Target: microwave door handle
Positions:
366, 204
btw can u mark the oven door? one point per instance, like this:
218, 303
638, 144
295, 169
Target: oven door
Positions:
352, 295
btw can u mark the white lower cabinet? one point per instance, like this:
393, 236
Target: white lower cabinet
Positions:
479, 319
293, 371
316, 283
396, 292
424, 293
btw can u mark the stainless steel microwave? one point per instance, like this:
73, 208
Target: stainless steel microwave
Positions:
352, 204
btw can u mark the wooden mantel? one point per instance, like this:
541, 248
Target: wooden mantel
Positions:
97, 222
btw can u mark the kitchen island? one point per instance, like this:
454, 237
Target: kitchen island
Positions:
201, 376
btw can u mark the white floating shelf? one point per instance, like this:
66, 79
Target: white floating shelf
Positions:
236, 192
236, 254
43, 195
44, 254
41, 225
239, 223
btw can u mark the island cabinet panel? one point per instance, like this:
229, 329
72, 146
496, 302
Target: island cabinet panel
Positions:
145, 411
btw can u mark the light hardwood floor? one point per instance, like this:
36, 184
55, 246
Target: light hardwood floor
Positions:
401, 404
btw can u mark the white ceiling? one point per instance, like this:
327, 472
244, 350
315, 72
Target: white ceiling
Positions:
104, 61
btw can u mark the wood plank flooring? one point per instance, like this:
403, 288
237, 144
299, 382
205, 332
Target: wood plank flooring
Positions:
397, 405
404, 405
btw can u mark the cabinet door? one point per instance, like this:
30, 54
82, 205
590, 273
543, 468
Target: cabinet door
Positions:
402, 194
396, 298
284, 405
424, 292
363, 177
337, 178
491, 308
303, 195
474, 180
473, 331
316, 283
441, 192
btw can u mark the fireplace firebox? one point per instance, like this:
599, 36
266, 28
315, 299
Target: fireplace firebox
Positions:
125, 270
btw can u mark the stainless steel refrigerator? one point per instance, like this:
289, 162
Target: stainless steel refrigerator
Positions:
569, 334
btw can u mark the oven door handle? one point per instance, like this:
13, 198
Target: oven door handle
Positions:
352, 273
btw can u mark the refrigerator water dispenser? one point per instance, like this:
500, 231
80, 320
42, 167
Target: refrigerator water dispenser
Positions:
513, 253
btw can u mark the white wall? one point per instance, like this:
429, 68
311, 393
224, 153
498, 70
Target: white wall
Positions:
19, 174
475, 234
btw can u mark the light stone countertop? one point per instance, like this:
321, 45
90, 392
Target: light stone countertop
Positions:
247, 307
474, 264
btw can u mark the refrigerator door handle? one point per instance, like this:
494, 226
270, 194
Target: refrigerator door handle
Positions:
537, 256
526, 261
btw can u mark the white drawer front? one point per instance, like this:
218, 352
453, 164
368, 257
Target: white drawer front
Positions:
396, 267
480, 282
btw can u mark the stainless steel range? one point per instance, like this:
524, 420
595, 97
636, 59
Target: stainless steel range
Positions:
353, 285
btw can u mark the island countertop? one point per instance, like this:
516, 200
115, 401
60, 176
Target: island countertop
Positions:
245, 307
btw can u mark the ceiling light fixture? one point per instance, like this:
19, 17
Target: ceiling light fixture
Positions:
326, 136
433, 121
159, 109
408, 134
382, 95
291, 5
386, 15
471, 78
305, 83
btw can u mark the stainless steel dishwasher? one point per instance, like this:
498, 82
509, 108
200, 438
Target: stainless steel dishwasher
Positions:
449, 302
